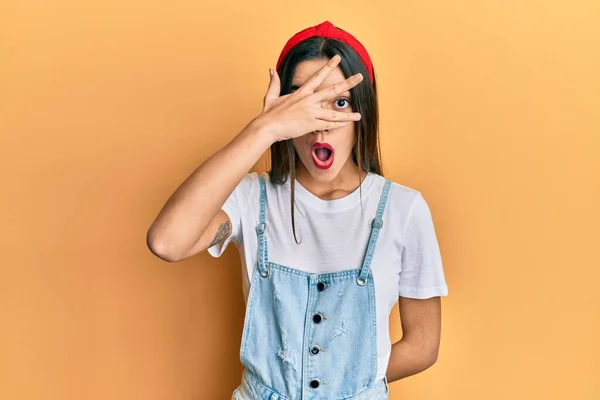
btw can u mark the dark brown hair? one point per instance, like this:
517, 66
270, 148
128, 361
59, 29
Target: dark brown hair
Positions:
366, 152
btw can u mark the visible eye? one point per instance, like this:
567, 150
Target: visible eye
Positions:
343, 103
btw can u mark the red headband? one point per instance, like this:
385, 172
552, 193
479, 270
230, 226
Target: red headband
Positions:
327, 30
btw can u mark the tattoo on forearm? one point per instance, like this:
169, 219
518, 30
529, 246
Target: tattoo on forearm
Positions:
222, 233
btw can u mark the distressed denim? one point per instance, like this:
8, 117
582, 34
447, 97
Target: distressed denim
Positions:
310, 336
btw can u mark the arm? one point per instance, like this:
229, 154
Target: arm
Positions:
418, 348
192, 221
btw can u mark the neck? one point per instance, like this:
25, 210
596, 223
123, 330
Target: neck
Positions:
347, 181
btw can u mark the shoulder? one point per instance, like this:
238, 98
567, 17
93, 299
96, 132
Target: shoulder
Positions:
406, 206
249, 188
246, 192
401, 198
249, 183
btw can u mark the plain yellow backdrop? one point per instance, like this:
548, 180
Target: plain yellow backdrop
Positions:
490, 108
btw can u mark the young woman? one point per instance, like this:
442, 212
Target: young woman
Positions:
328, 246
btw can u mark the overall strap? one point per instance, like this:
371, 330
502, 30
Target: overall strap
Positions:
260, 230
376, 225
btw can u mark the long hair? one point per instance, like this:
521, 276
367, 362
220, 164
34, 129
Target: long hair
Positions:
366, 152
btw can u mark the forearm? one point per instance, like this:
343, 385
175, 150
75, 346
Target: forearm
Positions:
191, 208
408, 359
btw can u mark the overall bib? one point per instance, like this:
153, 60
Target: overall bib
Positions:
310, 336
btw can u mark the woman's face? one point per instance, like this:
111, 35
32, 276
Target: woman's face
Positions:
325, 153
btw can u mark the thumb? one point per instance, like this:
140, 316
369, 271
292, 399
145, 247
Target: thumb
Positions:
273, 91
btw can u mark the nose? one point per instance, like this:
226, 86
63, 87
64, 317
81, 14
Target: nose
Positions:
324, 105
320, 133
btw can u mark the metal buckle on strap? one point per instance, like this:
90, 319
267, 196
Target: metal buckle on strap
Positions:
260, 228
377, 223
361, 282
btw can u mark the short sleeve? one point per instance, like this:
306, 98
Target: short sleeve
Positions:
235, 207
422, 274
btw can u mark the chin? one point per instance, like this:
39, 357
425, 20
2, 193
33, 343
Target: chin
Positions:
323, 175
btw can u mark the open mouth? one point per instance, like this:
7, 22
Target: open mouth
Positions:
322, 154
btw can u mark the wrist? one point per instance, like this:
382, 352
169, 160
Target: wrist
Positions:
261, 130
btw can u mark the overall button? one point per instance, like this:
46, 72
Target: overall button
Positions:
315, 350
321, 286
317, 318
314, 384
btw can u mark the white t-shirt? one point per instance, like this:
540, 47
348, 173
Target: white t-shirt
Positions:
333, 236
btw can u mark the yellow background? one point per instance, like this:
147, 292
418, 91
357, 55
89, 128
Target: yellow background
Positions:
489, 108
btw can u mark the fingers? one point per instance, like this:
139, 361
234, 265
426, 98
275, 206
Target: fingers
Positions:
274, 89
334, 91
328, 119
336, 116
317, 79
321, 125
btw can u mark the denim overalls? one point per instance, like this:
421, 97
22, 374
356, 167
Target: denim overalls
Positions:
310, 336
